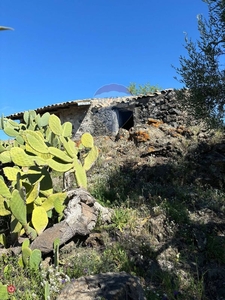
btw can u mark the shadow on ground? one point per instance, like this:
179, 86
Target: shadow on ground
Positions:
181, 252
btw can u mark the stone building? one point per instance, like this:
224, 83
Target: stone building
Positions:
104, 116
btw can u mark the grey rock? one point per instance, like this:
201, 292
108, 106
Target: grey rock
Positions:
108, 286
81, 216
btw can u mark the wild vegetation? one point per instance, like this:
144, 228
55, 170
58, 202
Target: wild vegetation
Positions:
202, 71
167, 227
168, 223
28, 201
142, 89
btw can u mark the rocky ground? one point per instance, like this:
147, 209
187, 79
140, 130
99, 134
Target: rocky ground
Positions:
166, 186
165, 189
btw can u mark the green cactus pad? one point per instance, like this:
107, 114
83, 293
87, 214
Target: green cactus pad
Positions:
26, 253
48, 204
56, 245
39, 219
3, 207
67, 129
90, 158
87, 140
33, 193
38, 201
11, 172
55, 125
58, 200
29, 117
13, 123
35, 259
20, 140
2, 148
80, 174
26, 117
69, 146
56, 142
15, 226
47, 290
60, 154
2, 123
43, 156
58, 205
2, 240
32, 114
18, 207
25, 244
20, 158
4, 190
44, 119
11, 132
31, 232
59, 166
5, 157
61, 196
36, 142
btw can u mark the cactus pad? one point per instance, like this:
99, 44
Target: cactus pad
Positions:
60, 154
39, 219
87, 140
18, 207
4, 190
55, 124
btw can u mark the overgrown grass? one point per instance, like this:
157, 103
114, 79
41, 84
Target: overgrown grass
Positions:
142, 197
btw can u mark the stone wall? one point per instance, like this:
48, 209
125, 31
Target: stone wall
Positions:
106, 116
73, 114
163, 106
103, 117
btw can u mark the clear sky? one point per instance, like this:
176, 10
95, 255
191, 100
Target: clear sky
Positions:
63, 50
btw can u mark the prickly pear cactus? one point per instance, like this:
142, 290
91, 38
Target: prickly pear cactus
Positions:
40, 144
30, 258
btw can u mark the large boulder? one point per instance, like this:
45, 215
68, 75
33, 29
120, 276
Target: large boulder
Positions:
110, 286
81, 215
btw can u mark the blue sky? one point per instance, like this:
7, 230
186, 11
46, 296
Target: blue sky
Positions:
64, 50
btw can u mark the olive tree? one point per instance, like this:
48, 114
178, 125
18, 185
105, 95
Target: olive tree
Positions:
203, 71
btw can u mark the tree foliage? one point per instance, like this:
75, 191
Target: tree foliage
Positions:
203, 72
144, 89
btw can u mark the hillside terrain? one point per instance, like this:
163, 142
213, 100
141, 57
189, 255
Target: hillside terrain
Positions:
166, 185
163, 190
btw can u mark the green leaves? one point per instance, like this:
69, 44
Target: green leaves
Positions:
3, 288
201, 72
143, 89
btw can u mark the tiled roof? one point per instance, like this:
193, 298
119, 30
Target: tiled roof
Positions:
85, 102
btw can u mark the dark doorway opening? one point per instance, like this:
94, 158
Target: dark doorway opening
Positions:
125, 118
